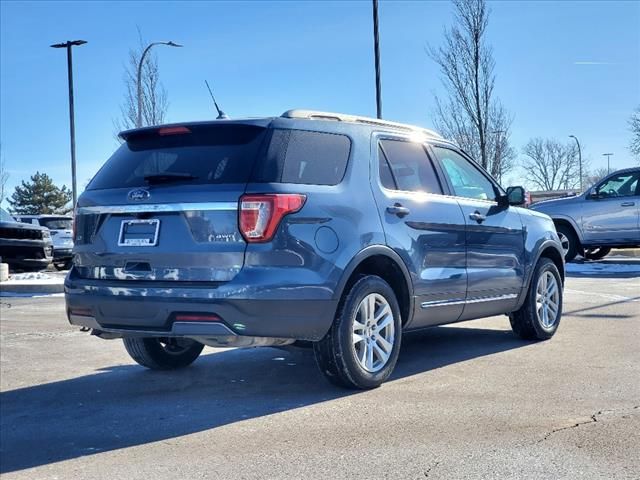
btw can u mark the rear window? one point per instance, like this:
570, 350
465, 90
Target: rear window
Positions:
206, 155
300, 156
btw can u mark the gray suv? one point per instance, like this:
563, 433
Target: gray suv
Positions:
340, 231
605, 216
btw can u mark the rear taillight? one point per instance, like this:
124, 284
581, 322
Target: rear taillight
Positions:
260, 215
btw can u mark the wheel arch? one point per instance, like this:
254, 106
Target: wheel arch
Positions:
382, 261
569, 222
548, 249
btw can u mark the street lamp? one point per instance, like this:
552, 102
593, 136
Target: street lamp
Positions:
72, 126
579, 158
608, 155
139, 79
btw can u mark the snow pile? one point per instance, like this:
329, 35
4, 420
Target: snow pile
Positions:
30, 276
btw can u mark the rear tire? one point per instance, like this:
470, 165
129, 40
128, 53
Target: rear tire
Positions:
163, 353
596, 253
361, 348
539, 316
569, 241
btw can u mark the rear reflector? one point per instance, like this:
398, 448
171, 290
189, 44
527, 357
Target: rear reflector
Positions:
81, 312
196, 317
260, 215
173, 131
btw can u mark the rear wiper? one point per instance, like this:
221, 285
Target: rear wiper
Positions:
168, 177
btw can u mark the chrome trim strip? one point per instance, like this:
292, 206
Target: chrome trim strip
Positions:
447, 303
160, 207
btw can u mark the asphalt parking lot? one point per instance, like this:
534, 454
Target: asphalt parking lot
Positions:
465, 401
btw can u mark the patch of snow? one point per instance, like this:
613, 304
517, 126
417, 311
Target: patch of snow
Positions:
30, 276
603, 268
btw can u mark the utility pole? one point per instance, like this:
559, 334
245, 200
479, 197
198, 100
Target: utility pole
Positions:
72, 126
608, 155
579, 158
376, 51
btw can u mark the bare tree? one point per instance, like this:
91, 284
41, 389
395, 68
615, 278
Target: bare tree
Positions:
471, 115
551, 165
4, 176
155, 103
595, 176
634, 126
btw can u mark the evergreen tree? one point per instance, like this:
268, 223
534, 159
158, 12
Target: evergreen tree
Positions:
40, 197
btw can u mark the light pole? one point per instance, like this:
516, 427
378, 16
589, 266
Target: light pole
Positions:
376, 52
608, 155
72, 125
579, 158
139, 79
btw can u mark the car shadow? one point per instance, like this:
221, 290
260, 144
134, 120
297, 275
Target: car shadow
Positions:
124, 406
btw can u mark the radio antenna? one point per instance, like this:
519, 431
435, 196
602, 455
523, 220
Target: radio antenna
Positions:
221, 114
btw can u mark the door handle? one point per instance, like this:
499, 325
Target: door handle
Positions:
627, 204
477, 216
398, 210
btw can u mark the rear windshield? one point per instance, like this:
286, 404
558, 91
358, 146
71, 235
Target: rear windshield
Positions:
220, 154
56, 223
227, 154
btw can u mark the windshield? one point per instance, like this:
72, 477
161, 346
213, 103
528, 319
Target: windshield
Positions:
207, 154
5, 217
62, 223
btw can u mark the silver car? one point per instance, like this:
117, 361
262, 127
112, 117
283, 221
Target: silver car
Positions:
605, 216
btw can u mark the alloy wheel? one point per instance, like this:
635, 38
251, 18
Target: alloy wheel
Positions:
547, 300
373, 332
564, 240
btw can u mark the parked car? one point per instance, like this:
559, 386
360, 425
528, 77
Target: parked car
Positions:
24, 247
60, 227
605, 216
342, 231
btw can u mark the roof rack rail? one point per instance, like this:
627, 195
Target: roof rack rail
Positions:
341, 117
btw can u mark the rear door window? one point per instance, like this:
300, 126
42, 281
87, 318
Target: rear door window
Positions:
305, 157
205, 155
406, 166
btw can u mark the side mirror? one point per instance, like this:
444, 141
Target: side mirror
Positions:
516, 196
592, 195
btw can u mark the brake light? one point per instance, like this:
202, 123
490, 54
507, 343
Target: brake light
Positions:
173, 131
260, 215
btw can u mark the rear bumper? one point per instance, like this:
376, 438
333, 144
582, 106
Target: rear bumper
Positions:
133, 310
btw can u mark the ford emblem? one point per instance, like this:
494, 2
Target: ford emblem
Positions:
139, 194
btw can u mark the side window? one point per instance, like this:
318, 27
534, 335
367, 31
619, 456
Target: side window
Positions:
300, 156
406, 166
622, 185
466, 179
386, 177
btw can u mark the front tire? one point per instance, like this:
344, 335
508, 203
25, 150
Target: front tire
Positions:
539, 316
569, 241
361, 349
163, 353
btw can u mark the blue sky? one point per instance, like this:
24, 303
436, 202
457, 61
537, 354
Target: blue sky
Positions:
562, 68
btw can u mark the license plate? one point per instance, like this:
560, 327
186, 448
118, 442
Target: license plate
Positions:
139, 233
